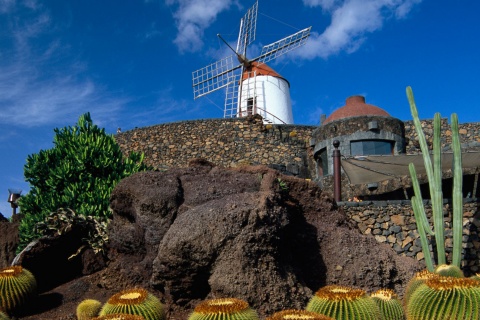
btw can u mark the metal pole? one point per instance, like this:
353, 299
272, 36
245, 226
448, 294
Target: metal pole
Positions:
337, 181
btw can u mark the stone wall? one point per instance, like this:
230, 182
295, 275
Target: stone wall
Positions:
393, 223
225, 142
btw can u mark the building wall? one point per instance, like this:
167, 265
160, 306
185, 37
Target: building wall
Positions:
393, 223
224, 142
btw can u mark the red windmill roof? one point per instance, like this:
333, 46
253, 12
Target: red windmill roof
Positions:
260, 69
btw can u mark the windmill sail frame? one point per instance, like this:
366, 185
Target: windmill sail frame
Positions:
225, 73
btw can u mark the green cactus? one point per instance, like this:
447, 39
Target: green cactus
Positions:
434, 175
136, 301
297, 315
223, 309
442, 298
343, 303
17, 287
3, 316
412, 285
119, 316
88, 309
448, 270
390, 306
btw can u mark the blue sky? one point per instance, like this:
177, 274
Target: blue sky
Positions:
129, 63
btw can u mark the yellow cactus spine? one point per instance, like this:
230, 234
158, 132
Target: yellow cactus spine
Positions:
418, 279
17, 287
293, 314
119, 316
135, 302
442, 298
88, 309
344, 303
3, 316
390, 306
223, 309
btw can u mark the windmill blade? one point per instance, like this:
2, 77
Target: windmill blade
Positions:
231, 96
213, 77
271, 51
248, 27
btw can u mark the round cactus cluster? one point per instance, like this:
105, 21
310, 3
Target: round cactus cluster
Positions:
223, 309
135, 302
445, 298
390, 306
343, 303
17, 287
119, 316
293, 314
87, 309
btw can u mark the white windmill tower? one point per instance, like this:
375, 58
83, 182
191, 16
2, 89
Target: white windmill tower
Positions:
252, 86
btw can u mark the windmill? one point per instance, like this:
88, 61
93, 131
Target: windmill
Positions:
252, 87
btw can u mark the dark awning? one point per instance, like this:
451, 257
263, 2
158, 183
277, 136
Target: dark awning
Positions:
369, 169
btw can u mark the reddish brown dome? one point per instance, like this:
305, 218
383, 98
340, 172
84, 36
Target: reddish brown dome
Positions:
355, 106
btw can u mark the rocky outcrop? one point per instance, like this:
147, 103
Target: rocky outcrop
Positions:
8, 240
251, 233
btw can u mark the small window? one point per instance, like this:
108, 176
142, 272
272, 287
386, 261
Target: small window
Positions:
322, 163
251, 106
371, 147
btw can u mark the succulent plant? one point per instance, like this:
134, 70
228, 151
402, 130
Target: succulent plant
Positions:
88, 309
442, 298
119, 316
449, 270
223, 309
418, 279
298, 315
390, 306
136, 301
342, 303
17, 287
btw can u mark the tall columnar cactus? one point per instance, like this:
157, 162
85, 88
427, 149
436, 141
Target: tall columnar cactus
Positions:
434, 175
344, 303
390, 306
88, 309
136, 302
293, 314
223, 309
442, 298
17, 287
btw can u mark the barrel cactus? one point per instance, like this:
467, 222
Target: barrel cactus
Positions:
223, 309
390, 306
449, 270
343, 303
418, 279
3, 316
88, 309
17, 287
442, 298
136, 301
297, 315
119, 316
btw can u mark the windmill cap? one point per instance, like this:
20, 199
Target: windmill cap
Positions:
260, 69
355, 106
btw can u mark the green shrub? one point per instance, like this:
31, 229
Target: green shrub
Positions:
79, 172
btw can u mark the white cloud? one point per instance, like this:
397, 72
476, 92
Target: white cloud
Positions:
37, 85
193, 17
351, 21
